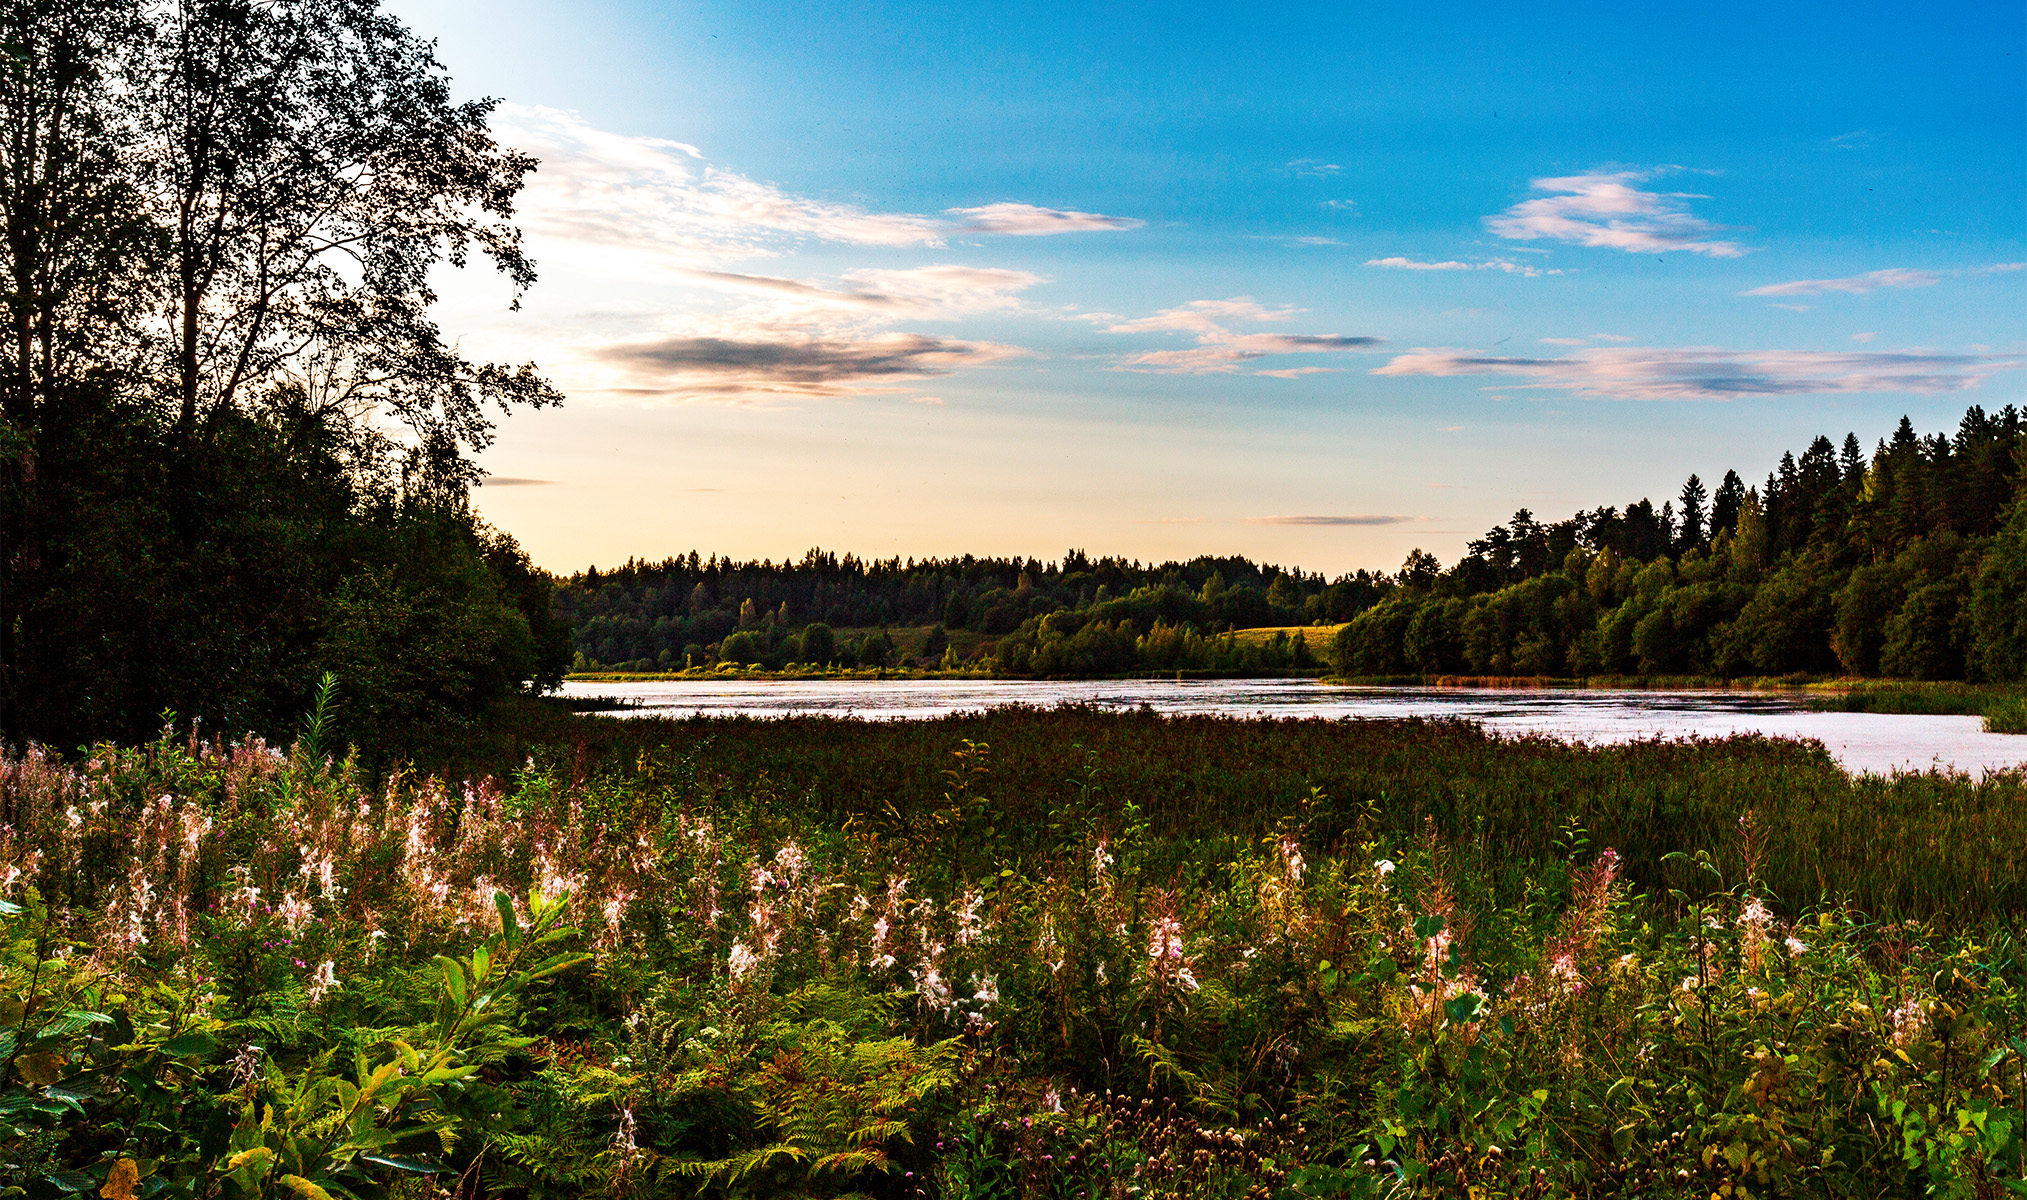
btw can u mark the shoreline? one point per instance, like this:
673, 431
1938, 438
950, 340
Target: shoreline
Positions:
2003, 707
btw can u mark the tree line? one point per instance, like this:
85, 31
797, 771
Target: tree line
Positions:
1907, 561
235, 450
682, 610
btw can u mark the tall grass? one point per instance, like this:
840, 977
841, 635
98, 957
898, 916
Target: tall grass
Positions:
1025, 953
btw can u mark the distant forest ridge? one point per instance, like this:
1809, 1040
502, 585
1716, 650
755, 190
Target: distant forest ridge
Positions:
1909, 561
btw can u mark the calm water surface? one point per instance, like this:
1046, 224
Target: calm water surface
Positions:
1861, 742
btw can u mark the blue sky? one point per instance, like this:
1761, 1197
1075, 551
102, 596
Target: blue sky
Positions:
1317, 284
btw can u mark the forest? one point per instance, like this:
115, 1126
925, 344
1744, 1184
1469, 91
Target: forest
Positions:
1905, 562
235, 449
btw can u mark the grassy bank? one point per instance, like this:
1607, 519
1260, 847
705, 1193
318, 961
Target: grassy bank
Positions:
1028, 953
2004, 706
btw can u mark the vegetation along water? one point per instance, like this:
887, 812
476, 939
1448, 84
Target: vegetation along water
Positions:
1028, 953
1908, 563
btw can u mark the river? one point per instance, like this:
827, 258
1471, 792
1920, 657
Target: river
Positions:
1878, 743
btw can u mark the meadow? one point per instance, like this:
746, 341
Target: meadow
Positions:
1028, 953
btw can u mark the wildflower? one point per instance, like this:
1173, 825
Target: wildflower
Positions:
790, 859
985, 991
1291, 858
615, 909
622, 1140
1164, 943
1186, 977
1908, 1021
1753, 921
323, 981
929, 982
742, 962
1383, 867
294, 911
1796, 946
1690, 982
969, 926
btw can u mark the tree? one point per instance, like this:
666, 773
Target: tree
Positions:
1725, 506
819, 644
1420, 570
1691, 536
221, 219
308, 165
1998, 613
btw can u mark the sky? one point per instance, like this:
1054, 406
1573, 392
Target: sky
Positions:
1317, 284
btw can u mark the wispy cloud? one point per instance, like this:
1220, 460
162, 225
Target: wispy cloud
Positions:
610, 205
657, 197
1311, 168
1855, 285
512, 481
1221, 350
712, 367
1607, 210
1351, 519
1028, 220
1713, 374
1857, 139
1484, 264
652, 196
936, 293
1584, 341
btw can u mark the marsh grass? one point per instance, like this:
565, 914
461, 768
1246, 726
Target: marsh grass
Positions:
1034, 953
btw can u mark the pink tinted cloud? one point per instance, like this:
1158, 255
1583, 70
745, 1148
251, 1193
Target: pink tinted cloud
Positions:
1606, 210
1698, 373
1854, 285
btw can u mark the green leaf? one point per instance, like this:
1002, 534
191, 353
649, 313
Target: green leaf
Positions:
453, 979
416, 1166
72, 1181
561, 962
194, 1044
509, 924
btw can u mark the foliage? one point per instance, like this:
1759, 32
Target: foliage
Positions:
226, 416
1016, 954
1907, 566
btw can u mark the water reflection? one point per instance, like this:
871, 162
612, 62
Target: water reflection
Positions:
1861, 742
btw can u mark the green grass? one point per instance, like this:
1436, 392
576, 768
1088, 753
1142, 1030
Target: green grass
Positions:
2004, 706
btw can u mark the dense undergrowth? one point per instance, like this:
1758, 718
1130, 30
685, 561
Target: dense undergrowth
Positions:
1027, 953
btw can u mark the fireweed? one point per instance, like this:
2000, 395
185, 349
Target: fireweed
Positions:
780, 1002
